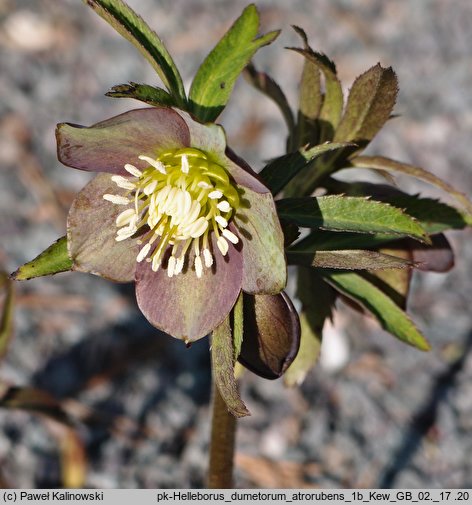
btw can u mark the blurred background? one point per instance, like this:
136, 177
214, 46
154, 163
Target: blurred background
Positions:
375, 413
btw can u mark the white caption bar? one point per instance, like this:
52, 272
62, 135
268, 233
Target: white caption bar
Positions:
243, 496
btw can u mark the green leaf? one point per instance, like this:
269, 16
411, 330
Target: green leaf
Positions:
323, 240
6, 317
331, 109
133, 28
385, 310
291, 232
279, 172
222, 361
238, 325
436, 257
317, 300
215, 79
341, 213
349, 259
144, 93
309, 107
53, 260
369, 106
311, 98
394, 283
434, 216
382, 163
266, 85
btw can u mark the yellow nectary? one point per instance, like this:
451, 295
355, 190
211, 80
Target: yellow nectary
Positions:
181, 197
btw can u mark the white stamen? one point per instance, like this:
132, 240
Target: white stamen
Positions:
150, 187
171, 266
207, 256
122, 182
143, 252
158, 165
116, 199
230, 236
154, 218
198, 266
198, 228
179, 265
214, 195
222, 245
184, 166
221, 221
124, 218
130, 229
187, 203
224, 206
162, 195
156, 263
123, 236
180, 206
133, 170
174, 209
194, 211
169, 206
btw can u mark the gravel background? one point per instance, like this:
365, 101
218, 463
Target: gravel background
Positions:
375, 413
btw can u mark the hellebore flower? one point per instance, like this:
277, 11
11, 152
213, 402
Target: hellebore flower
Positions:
175, 210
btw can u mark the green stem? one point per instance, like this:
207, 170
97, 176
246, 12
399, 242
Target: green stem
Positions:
223, 435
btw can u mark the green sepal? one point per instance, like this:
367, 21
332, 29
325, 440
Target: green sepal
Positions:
349, 259
222, 364
144, 93
360, 215
53, 260
215, 79
391, 317
133, 28
266, 85
279, 172
6, 317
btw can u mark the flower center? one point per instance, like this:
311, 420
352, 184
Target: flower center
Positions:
178, 200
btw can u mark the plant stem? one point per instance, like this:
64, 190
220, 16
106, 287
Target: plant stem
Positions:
223, 434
